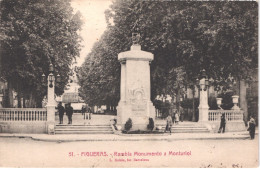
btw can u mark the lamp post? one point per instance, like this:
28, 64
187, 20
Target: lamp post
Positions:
51, 104
203, 88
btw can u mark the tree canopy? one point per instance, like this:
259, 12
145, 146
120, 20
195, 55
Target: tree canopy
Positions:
34, 34
185, 38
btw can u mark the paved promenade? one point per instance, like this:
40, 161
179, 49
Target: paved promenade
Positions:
105, 119
114, 137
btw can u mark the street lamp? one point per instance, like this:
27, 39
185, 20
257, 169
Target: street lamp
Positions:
51, 76
58, 78
43, 78
50, 98
51, 69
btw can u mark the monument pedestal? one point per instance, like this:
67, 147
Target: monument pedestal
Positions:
135, 90
139, 118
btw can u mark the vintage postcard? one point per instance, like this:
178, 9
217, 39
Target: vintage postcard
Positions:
128, 84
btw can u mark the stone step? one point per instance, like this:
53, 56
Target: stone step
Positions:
194, 129
198, 128
186, 128
181, 125
82, 125
83, 129
190, 131
84, 132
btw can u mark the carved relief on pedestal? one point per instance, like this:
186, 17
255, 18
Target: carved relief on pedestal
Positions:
138, 101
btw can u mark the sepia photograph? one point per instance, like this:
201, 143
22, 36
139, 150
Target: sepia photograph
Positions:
129, 84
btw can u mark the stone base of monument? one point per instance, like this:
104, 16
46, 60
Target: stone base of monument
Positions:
139, 115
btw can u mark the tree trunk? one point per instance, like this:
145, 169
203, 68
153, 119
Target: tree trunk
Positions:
30, 100
178, 97
19, 99
38, 103
24, 104
10, 95
243, 99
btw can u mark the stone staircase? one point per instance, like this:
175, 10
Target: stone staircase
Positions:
83, 129
186, 128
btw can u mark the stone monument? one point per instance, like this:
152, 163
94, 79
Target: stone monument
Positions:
135, 89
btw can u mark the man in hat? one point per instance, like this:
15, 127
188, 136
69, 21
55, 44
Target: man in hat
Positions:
251, 128
222, 123
61, 111
69, 112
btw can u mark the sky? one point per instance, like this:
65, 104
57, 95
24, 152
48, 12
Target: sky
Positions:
93, 16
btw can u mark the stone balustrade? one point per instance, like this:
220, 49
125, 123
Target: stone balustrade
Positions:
23, 114
231, 115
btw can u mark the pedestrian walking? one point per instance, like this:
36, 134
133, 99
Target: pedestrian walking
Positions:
251, 127
222, 124
181, 113
61, 111
168, 124
89, 112
172, 113
177, 117
69, 112
83, 111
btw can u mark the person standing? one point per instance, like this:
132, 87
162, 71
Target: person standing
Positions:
61, 111
222, 123
69, 112
83, 111
168, 124
177, 117
89, 111
181, 113
251, 128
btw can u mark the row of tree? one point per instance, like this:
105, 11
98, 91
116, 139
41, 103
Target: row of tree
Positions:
185, 38
34, 34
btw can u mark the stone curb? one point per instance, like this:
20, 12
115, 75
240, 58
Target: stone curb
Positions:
127, 139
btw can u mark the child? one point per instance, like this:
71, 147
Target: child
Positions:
168, 124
